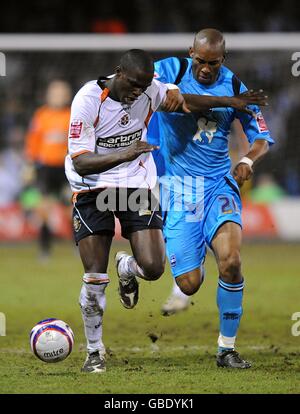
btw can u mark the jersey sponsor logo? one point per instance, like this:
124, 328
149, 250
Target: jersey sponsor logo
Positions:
124, 121
75, 129
206, 130
120, 140
261, 123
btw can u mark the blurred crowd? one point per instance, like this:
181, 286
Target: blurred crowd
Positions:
135, 16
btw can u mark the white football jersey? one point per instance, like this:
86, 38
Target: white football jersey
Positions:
101, 125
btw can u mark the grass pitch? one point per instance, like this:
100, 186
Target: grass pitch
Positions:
182, 359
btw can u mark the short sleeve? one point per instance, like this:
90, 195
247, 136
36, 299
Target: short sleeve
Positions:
254, 129
157, 92
84, 112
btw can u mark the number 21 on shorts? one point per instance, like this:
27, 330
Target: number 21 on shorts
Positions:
227, 205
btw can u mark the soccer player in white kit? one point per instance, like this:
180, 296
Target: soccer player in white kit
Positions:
109, 158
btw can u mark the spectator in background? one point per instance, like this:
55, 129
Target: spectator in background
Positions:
45, 150
11, 166
291, 151
266, 190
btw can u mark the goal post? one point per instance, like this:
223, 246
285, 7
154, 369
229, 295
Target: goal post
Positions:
163, 42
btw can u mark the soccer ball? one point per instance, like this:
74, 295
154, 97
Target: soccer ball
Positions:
51, 340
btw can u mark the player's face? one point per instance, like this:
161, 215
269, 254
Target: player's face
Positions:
131, 84
206, 63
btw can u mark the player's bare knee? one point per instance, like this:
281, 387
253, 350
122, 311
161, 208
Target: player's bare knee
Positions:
188, 287
230, 268
153, 270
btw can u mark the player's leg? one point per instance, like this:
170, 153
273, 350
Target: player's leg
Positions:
142, 226
190, 282
147, 262
186, 252
94, 253
226, 246
148, 249
50, 181
178, 300
45, 234
43, 212
223, 233
93, 231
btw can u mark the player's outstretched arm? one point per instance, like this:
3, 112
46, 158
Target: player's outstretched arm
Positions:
91, 163
251, 97
244, 169
175, 101
202, 102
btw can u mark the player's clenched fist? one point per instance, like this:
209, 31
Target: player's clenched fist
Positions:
241, 173
251, 97
138, 148
174, 102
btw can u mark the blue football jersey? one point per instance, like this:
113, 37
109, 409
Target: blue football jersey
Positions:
196, 144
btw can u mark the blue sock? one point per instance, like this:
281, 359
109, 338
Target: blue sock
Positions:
229, 300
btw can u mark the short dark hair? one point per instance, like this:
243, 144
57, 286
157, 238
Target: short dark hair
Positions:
137, 59
211, 37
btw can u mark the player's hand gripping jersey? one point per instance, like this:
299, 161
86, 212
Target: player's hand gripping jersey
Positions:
196, 144
101, 125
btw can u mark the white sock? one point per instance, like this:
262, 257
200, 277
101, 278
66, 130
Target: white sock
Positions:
129, 267
226, 342
177, 292
92, 303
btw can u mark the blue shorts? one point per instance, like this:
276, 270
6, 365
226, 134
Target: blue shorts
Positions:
187, 232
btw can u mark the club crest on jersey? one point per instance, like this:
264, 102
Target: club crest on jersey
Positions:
76, 223
124, 121
206, 130
173, 260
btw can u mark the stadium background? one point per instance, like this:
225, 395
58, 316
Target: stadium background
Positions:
271, 200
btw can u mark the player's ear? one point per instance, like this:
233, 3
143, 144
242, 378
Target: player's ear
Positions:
191, 52
118, 71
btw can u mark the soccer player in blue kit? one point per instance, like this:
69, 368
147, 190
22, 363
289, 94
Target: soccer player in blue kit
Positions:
196, 145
